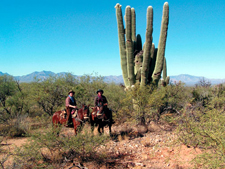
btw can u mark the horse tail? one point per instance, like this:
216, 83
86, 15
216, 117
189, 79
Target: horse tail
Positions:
56, 118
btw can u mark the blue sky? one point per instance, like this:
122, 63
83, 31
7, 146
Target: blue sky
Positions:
81, 37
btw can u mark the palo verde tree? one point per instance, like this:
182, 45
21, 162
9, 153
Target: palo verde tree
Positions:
12, 98
139, 64
51, 93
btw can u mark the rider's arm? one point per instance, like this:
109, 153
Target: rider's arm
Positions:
68, 103
72, 106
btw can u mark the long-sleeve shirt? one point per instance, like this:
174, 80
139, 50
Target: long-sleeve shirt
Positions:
100, 102
70, 102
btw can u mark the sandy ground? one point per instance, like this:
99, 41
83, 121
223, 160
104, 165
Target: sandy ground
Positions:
152, 150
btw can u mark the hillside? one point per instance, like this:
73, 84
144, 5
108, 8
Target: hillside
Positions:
189, 80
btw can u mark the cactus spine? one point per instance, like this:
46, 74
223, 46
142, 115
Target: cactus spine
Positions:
141, 65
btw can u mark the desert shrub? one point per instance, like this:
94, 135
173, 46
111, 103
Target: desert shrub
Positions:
202, 125
50, 94
12, 131
15, 127
85, 91
42, 121
12, 98
115, 94
203, 83
206, 131
47, 150
218, 97
171, 99
147, 103
4, 154
135, 104
202, 93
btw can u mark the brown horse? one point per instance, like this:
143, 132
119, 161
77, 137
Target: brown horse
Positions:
82, 115
102, 121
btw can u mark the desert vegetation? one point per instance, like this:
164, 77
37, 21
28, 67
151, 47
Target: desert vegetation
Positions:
195, 114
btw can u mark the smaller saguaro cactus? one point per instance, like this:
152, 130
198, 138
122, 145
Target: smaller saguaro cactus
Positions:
142, 65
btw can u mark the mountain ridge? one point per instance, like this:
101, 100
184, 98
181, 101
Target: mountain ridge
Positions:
189, 80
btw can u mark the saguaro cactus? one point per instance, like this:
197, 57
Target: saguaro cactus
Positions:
141, 65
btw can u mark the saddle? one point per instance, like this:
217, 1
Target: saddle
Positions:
63, 114
94, 115
74, 115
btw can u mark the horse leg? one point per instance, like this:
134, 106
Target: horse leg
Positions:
92, 126
110, 125
74, 126
102, 128
99, 131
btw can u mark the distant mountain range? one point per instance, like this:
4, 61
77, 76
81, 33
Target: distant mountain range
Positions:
189, 80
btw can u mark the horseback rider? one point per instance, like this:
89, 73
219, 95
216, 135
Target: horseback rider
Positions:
100, 102
71, 106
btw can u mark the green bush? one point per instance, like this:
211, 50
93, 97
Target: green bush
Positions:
206, 131
46, 149
15, 127
135, 104
171, 100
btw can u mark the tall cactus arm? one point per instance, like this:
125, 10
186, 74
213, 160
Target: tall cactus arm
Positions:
123, 58
129, 47
164, 70
162, 44
148, 45
165, 77
138, 65
133, 24
152, 62
137, 45
167, 80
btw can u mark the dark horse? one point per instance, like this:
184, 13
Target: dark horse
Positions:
101, 122
59, 117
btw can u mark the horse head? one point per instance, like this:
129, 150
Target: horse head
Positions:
86, 111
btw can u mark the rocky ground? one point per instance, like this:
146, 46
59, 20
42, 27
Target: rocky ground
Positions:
152, 146
136, 147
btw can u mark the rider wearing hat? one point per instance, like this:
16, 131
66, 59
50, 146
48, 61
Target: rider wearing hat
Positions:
101, 102
71, 106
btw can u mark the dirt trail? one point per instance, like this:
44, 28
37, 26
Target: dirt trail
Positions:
152, 150
8, 145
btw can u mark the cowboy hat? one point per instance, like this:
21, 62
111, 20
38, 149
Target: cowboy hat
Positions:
99, 90
71, 91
